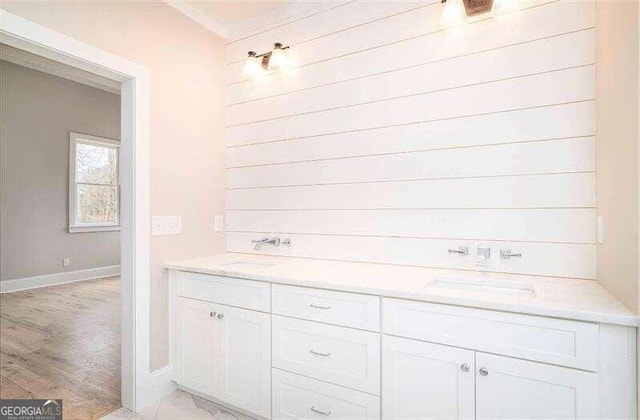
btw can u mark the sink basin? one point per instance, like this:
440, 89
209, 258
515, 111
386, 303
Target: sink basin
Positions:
249, 263
510, 287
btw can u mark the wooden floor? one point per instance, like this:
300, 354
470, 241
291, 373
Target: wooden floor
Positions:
63, 342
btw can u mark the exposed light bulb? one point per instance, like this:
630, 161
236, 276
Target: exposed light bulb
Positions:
279, 59
252, 66
502, 7
453, 14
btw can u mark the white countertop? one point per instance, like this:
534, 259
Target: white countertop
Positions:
583, 300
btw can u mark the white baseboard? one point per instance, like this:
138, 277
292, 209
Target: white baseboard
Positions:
160, 385
26, 283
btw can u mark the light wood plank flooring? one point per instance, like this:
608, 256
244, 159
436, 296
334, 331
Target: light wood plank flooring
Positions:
63, 342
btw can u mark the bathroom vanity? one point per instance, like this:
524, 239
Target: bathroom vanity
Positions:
293, 338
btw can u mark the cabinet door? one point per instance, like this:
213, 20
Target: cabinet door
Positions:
512, 388
426, 381
245, 346
196, 357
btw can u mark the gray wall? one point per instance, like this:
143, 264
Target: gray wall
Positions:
37, 112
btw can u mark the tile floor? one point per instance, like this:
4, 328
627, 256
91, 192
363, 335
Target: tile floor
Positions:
179, 405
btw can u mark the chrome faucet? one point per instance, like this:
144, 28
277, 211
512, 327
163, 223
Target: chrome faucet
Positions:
275, 241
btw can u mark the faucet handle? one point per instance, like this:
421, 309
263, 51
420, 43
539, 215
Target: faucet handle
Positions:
462, 250
506, 254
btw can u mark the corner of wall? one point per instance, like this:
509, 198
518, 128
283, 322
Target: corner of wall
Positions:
617, 149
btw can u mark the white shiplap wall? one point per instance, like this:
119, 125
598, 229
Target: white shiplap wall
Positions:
393, 140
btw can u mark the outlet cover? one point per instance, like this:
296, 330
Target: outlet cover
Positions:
66, 262
218, 223
166, 225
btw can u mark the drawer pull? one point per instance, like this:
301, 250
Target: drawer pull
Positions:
319, 306
484, 371
317, 353
464, 367
324, 413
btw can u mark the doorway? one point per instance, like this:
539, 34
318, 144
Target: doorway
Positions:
136, 382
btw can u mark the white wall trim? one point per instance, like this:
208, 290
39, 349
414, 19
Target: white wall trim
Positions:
26, 283
160, 384
23, 34
44, 65
198, 16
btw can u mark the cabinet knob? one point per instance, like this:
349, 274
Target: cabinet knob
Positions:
484, 371
220, 316
464, 367
212, 314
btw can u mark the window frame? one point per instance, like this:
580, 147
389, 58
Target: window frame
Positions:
79, 138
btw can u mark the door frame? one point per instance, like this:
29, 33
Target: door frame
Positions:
137, 389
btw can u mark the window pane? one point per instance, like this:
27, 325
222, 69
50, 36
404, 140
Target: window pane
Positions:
96, 164
97, 204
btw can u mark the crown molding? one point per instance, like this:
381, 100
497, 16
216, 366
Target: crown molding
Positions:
198, 16
231, 32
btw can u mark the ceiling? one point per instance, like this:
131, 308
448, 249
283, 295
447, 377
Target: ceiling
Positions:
229, 12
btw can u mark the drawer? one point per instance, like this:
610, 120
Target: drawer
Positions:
339, 308
550, 340
248, 294
298, 397
339, 355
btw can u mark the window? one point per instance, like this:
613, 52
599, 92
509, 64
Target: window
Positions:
94, 191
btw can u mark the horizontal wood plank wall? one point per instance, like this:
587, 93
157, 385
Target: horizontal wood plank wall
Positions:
392, 140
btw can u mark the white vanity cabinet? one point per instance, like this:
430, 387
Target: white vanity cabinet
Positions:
223, 352
497, 365
290, 352
431, 381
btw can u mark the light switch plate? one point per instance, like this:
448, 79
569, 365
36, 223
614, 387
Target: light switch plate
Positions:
218, 223
166, 225
66, 262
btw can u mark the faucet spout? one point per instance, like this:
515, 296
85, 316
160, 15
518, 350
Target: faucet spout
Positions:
257, 243
484, 253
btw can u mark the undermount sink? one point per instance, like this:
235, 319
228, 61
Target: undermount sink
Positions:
509, 287
239, 263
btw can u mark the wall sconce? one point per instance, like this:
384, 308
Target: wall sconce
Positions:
274, 60
456, 12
